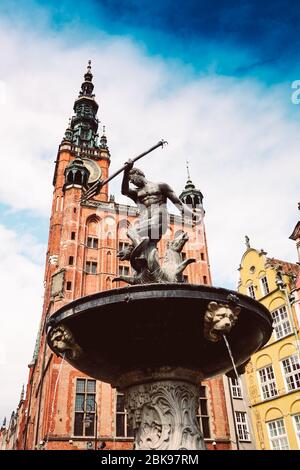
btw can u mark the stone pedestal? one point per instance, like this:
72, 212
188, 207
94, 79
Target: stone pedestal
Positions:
162, 412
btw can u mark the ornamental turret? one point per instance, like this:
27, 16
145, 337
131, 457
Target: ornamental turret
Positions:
190, 195
76, 173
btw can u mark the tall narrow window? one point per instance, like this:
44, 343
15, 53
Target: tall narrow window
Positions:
123, 428
267, 382
264, 285
85, 407
236, 389
281, 322
108, 283
69, 285
277, 434
202, 256
296, 420
251, 292
291, 369
203, 415
91, 267
73, 235
108, 262
204, 279
242, 426
71, 260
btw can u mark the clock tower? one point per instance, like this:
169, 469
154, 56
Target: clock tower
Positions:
81, 140
63, 408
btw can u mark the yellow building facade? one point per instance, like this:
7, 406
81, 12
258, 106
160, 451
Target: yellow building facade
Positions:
273, 374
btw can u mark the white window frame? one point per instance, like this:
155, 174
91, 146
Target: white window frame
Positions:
241, 421
278, 437
282, 323
264, 287
296, 372
124, 270
267, 383
92, 242
236, 388
202, 413
297, 431
91, 267
251, 292
124, 413
85, 410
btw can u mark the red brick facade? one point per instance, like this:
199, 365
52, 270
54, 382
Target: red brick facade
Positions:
46, 417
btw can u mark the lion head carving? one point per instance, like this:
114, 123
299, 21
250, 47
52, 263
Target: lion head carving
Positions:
62, 341
219, 319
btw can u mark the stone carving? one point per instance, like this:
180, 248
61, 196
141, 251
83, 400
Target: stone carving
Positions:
219, 319
151, 224
163, 415
63, 342
148, 269
57, 284
53, 259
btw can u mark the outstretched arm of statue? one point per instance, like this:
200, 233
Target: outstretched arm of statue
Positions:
126, 190
183, 208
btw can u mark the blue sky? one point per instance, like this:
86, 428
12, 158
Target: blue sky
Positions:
234, 37
212, 78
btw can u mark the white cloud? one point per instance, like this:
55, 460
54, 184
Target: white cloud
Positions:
241, 144
21, 282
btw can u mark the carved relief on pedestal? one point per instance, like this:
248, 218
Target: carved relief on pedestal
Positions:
63, 342
219, 319
163, 415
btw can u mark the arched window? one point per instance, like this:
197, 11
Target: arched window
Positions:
78, 177
108, 283
57, 204
189, 200
93, 227
109, 239
108, 262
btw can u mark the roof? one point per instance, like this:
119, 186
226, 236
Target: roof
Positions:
286, 266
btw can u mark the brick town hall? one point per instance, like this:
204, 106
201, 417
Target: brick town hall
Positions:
61, 408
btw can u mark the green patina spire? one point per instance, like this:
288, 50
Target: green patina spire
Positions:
84, 125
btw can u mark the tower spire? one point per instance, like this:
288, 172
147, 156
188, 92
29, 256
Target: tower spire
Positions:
83, 128
87, 86
188, 170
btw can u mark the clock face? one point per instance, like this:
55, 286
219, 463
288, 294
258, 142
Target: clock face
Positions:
94, 169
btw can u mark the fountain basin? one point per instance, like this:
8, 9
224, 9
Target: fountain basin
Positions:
137, 330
